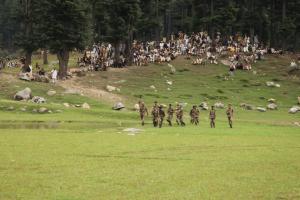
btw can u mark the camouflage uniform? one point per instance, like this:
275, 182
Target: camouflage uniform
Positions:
162, 115
155, 114
194, 113
229, 113
212, 117
179, 116
170, 115
143, 112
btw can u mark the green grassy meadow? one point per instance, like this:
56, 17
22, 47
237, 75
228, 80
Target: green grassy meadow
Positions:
77, 154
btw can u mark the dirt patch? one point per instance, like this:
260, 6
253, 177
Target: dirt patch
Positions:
92, 92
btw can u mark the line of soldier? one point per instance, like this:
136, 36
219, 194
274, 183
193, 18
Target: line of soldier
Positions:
158, 115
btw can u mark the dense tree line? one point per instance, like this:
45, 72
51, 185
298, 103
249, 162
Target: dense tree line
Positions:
64, 25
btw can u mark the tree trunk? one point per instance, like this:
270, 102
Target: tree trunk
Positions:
212, 30
45, 57
128, 47
283, 10
117, 52
28, 56
63, 58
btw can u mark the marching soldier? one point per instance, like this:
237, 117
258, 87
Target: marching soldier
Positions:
194, 113
162, 115
229, 113
143, 112
170, 114
179, 115
212, 117
155, 114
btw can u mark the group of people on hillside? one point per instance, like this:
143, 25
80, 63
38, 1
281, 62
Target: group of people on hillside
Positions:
240, 51
158, 115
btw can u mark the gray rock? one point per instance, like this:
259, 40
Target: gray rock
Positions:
67, 105
43, 110
38, 99
86, 106
118, 106
261, 109
294, 109
272, 100
247, 106
203, 106
219, 105
51, 93
110, 88
272, 106
23, 95
24, 77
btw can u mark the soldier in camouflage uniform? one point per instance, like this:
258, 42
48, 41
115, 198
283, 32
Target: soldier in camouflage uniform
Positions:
170, 114
162, 115
179, 115
229, 113
143, 112
155, 114
212, 117
194, 113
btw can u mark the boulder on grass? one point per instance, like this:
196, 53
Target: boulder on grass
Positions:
272, 100
51, 93
23, 95
247, 106
43, 110
118, 106
219, 105
86, 106
38, 99
203, 106
261, 109
294, 109
272, 106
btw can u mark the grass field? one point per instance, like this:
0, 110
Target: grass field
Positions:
78, 154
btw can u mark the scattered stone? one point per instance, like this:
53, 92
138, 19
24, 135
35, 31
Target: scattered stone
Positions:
35, 110
67, 105
77, 106
272, 100
294, 109
23, 95
86, 106
51, 93
43, 110
219, 105
272, 84
170, 82
38, 99
261, 109
203, 106
272, 106
118, 106
247, 106
110, 88
153, 87
137, 107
